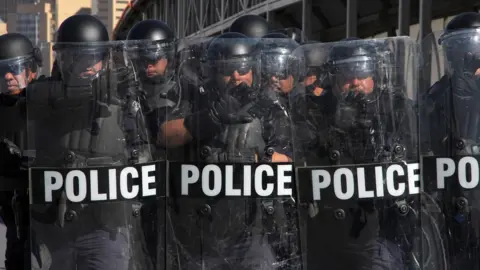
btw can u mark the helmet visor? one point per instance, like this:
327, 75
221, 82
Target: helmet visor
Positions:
14, 73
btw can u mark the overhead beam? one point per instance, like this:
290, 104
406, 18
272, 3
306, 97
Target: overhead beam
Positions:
321, 17
352, 18
306, 18
254, 10
404, 17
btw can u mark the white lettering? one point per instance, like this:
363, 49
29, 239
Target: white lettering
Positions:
362, 185
259, 180
95, 194
282, 179
229, 190
317, 185
413, 178
70, 186
349, 184
391, 171
463, 175
147, 180
124, 176
217, 180
190, 175
443, 172
52, 181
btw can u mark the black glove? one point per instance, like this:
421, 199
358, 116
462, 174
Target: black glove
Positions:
465, 85
208, 123
351, 112
10, 159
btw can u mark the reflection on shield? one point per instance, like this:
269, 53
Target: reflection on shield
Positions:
92, 171
356, 141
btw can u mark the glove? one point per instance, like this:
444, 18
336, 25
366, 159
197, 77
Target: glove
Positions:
10, 158
208, 123
350, 113
465, 85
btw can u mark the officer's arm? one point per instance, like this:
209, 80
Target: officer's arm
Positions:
172, 131
277, 134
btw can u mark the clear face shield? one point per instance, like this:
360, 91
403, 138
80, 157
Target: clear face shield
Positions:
15, 74
81, 65
462, 60
234, 77
354, 77
280, 69
152, 61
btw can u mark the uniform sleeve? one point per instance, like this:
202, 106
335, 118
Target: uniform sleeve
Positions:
277, 132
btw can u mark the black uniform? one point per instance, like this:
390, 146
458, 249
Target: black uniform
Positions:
354, 126
17, 56
449, 126
230, 123
86, 124
148, 43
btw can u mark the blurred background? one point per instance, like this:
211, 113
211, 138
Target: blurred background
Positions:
320, 20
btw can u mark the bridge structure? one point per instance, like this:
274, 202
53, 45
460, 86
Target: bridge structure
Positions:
320, 20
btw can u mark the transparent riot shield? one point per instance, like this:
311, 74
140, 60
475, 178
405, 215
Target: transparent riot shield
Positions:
154, 67
93, 169
355, 142
18, 68
231, 187
449, 149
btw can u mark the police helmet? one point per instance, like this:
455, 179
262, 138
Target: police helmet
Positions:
148, 42
252, 26
18, 52
81, 43
276, 51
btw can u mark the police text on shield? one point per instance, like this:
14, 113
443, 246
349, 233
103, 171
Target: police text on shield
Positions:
96, 184
371, 181
236, 180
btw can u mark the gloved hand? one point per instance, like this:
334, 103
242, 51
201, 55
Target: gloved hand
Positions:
351, 112
10, 158
222, 111
465, 84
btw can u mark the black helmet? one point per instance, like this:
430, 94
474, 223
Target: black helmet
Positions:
276, 50
463, 21
354, 59
252, 26
230, 46
467, 20
81, 28
81, 43
153, 30
227, 54
17, 54
148, 42
460, 42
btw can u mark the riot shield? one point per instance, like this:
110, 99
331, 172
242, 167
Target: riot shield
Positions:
230, 197
93, 167
17, 71
449, 139
355, 141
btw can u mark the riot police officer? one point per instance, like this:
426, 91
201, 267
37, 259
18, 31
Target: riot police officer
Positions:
84, 119
152, 49
278, 66
253, 26
449, 129
19, 64
348, 121
231, 95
